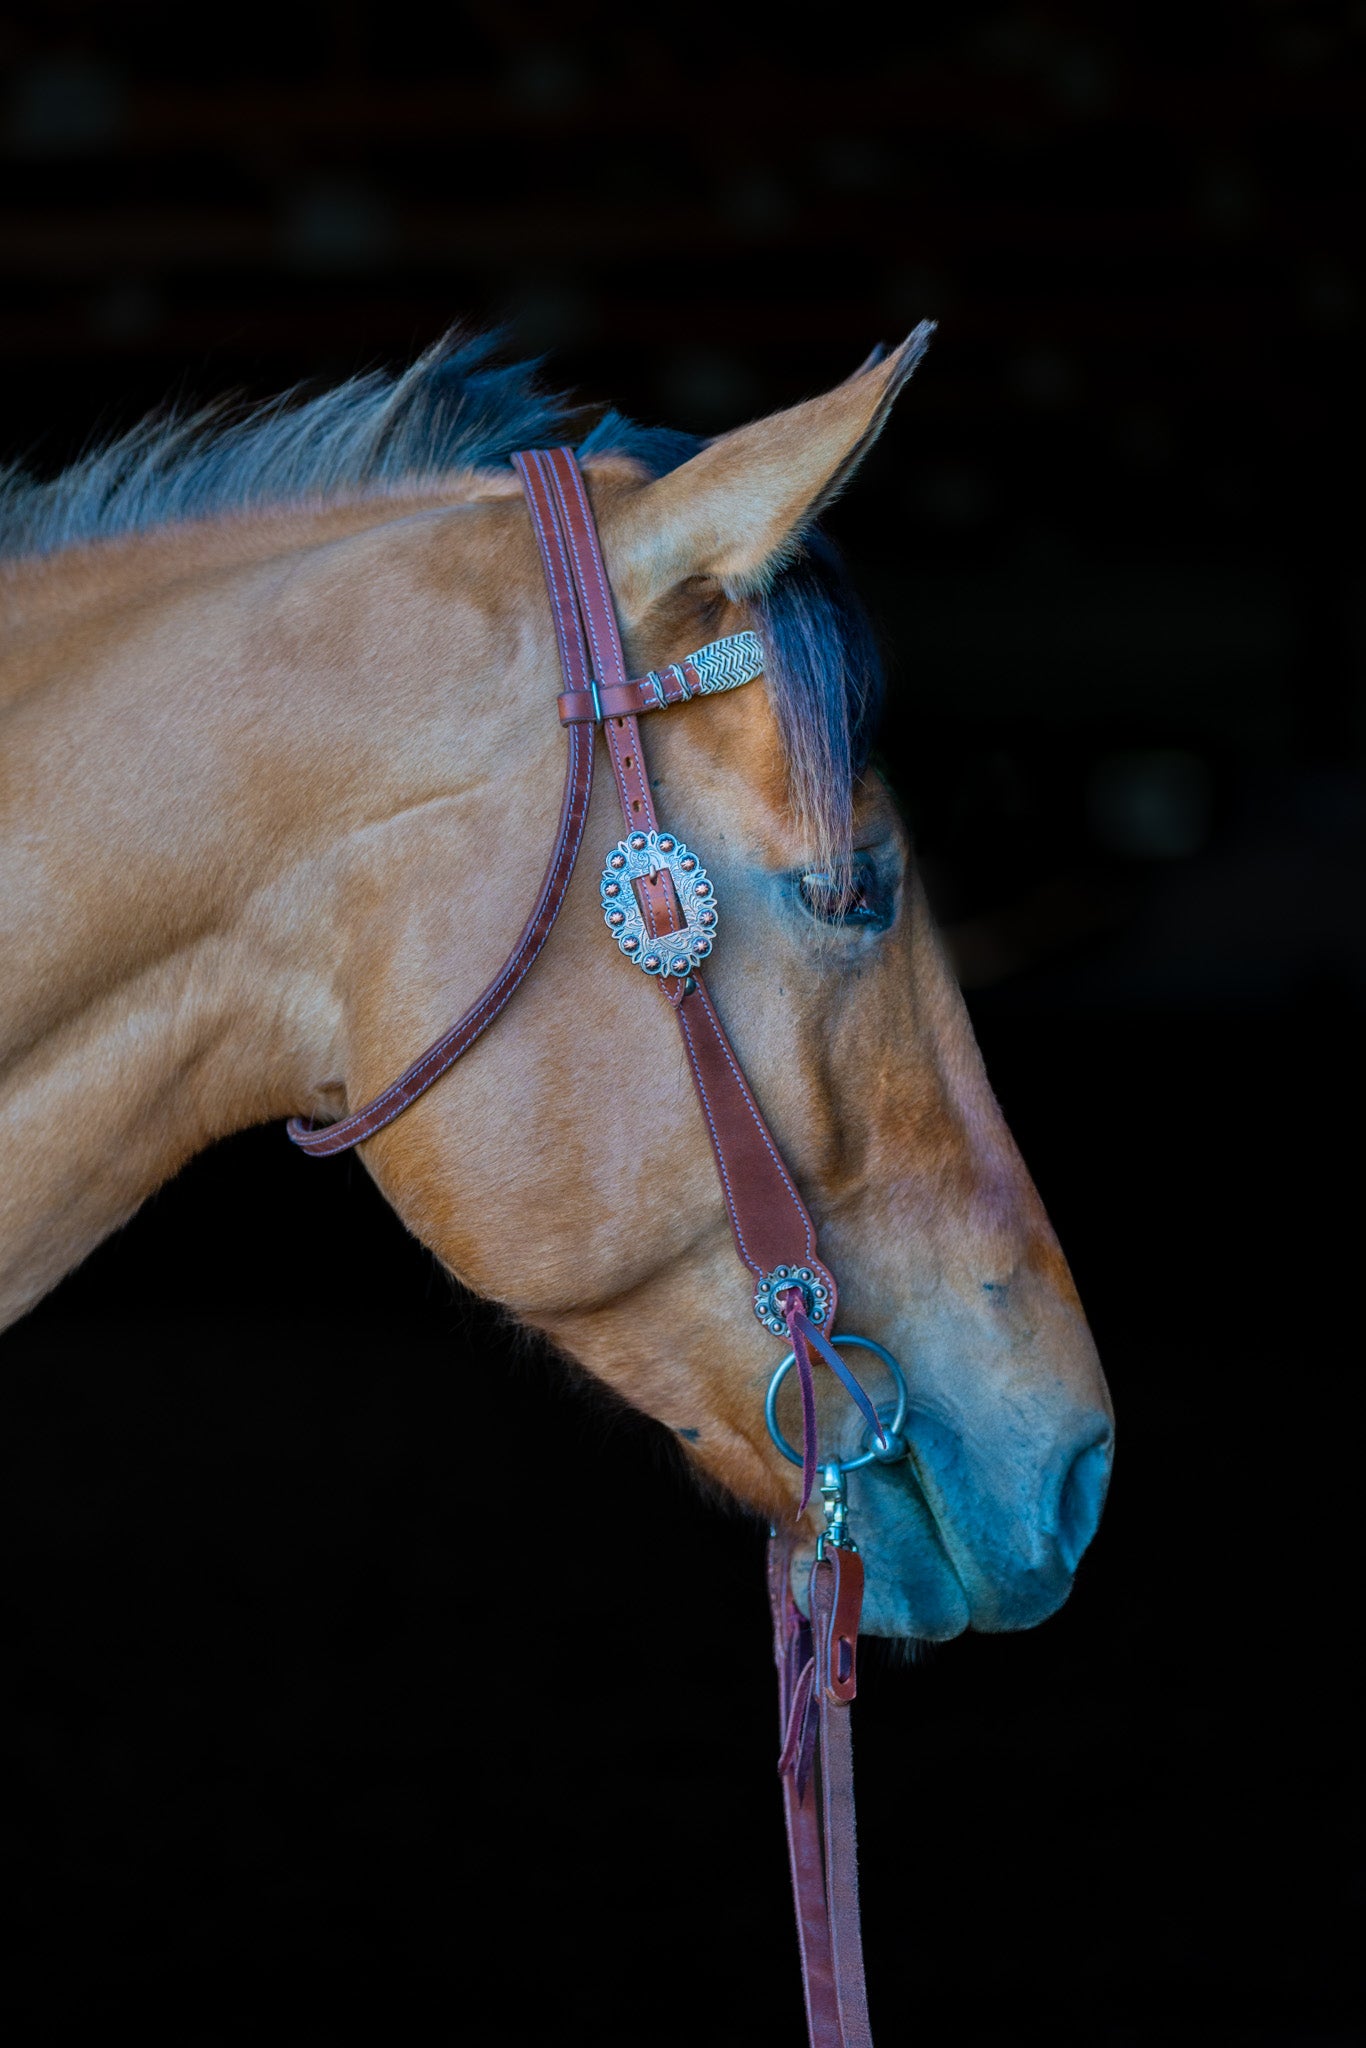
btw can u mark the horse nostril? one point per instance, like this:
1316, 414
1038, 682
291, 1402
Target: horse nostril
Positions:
1081, 1500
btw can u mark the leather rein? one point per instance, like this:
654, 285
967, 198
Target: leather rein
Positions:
659, 904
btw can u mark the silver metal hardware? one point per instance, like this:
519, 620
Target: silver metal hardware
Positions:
597, 698
646, 853
721, 665
726, 664
835, 1501
893, 1425
815, 1294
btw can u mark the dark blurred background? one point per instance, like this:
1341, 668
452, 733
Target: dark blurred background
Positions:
363, 1676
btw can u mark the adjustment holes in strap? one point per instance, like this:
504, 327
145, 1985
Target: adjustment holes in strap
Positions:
627, 765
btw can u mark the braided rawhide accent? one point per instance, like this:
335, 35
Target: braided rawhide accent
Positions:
724, 665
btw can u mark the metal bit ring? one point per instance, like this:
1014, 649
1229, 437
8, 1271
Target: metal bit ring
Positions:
893, 1428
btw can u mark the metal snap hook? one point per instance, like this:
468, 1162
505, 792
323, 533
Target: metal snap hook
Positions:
889, 1453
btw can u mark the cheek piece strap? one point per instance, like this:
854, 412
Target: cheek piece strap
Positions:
795, 1294
658, 903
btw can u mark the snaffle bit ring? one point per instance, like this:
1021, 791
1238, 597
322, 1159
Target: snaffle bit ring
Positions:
895, 1448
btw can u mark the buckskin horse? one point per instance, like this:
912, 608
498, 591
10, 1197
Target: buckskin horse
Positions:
281, 763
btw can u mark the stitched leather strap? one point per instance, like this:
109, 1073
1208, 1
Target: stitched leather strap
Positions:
836, 1601
723, 665
769, 1220
578, 788
416, 1079
801, 1813
580, 535
816, 1767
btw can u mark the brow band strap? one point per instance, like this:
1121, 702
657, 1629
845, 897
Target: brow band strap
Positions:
722, 665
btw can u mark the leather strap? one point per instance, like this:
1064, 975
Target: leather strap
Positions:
816, 1768
723, 665
769, 1220
578, 788
416, 1079
580, 534
836, 1602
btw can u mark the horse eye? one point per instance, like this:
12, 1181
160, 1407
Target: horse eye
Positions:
860, 898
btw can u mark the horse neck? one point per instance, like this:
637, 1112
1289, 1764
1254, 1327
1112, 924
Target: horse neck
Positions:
207, 750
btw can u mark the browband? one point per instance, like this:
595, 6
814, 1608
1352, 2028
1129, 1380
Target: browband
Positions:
723, 665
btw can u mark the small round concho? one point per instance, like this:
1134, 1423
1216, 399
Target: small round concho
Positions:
646, 853
815, 1296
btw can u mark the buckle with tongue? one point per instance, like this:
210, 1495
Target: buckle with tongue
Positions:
810, 1284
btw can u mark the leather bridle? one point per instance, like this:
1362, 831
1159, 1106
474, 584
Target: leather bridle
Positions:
659, 904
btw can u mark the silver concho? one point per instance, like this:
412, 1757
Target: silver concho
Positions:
645, 853
815, 1293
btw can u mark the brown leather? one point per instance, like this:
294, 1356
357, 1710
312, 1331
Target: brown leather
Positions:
654, 692
840, 1841
578, 788
417, 1078
817, 1776
836, 1598
770, 1221
801, 1810
658, 901
838, 1672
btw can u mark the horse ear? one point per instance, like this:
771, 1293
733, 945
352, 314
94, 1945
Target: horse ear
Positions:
737, 510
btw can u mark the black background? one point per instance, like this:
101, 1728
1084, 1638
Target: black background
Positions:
363, 1675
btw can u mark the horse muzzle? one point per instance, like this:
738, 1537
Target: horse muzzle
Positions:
963, 1535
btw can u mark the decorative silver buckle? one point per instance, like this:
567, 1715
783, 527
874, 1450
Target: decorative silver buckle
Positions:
645, 853
814, 1292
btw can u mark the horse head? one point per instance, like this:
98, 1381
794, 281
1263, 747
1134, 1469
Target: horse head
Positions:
283, 773
565, 1169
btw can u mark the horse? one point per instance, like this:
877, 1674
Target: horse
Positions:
278, 772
